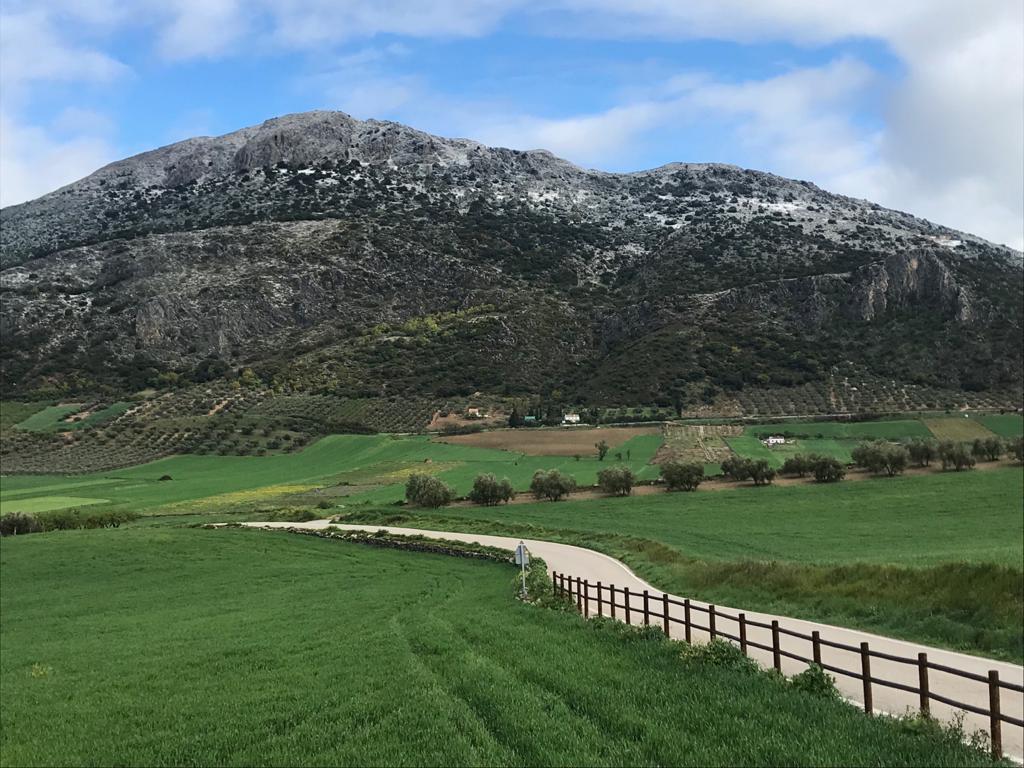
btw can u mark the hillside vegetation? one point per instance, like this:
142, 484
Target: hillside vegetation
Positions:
296, 249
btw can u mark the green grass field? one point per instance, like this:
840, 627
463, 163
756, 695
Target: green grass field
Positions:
360, 460
934, 558
896, 429
143, 646
838, 439
51, 418
1004, 425
48, 417
752, 448
13, 412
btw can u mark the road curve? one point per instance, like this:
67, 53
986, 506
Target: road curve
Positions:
597, 567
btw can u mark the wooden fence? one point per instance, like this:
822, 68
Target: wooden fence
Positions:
603, 600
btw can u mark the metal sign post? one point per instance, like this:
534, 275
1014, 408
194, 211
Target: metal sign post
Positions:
523, 560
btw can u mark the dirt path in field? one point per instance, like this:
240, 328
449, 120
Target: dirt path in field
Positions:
719, 484
595, 568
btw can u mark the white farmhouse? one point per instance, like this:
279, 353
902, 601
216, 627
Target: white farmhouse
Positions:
774, 440
571, 418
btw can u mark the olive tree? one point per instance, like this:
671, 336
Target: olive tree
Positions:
425, 490
616, 481
489, 490
682, 477
551, 485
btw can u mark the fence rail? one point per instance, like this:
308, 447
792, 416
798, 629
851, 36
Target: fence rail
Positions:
606, 603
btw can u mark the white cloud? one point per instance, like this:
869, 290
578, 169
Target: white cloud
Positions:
34, 160
32, 49
304, 23
201, 28
952, 145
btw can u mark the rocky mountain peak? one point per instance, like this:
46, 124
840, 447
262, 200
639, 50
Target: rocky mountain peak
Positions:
309, 230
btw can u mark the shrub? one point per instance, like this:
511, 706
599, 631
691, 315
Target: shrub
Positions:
552, 485
827, 469
719, 653
739, 469
798, 465
815, 681
489, 490
736, 468
616, 481
761, 472
71, 519
955, 456
165, 478
1017, 449
18, 524
881, 457
324, 504
922, 452
427, 491
990, 449
682, 477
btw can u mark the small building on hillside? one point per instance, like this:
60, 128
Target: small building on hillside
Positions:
571, 418
473, 413
774, 440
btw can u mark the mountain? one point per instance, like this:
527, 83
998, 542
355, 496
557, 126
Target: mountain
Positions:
366, 258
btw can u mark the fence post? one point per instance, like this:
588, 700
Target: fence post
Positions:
579, 594
554, 583
711, 621
586, 599
816, 646
600, 600
995, 718
865, 670
647, 611
922, 683
611, 594
664, 611
625, 592
686, 617
776, 656
743, 633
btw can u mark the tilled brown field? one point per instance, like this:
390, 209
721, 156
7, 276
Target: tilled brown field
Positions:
560, 441
701, 443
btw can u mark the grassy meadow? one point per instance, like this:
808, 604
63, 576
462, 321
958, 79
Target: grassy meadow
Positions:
935, 558
838, 439
182, 646
375, 466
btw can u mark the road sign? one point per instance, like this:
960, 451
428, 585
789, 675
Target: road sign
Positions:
523, 560
522, 555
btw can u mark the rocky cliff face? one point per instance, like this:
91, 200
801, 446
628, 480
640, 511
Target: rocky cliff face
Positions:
358, 256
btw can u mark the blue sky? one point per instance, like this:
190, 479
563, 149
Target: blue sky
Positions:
917, 105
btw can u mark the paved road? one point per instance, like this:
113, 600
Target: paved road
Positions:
596, 567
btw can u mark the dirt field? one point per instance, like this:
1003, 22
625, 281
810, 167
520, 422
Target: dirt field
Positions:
960, 430
556, 441
704, 444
